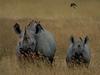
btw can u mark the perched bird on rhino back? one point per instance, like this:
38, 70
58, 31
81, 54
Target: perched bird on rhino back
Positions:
46, 44
78, 52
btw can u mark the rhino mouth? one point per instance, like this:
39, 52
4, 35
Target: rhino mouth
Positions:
26, 52
77, 58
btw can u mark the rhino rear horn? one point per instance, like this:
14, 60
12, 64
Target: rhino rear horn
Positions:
86, 39
25, 34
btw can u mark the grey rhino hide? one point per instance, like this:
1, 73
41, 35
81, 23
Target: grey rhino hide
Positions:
83, 49
26, 41
46, 44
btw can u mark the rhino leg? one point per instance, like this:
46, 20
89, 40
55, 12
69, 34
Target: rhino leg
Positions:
51, 59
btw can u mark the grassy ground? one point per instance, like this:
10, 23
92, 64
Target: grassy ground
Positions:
57, 17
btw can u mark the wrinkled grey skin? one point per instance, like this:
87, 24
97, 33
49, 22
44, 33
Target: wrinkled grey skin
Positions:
79, 51
39, 40
46, 44
27, 42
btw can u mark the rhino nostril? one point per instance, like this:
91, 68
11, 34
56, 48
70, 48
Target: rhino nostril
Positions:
21, 48
29, 48
76, 53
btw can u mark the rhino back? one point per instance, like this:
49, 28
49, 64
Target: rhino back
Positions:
46, 43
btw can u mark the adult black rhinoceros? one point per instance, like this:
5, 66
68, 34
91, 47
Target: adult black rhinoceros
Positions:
27, 42
36, 39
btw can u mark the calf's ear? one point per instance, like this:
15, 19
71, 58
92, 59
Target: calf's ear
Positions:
17, 28
86, 39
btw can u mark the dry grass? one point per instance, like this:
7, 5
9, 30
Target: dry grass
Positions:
62, 29
63, 23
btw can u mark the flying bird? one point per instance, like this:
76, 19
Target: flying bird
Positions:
73, 5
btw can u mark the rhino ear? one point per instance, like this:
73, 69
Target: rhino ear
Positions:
38, 28
17, 28
72, 39
86, 39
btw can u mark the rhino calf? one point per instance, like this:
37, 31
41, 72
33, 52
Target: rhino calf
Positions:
78, 52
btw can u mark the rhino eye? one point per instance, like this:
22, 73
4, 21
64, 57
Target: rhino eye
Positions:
21, 48
33, 43
19, 43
